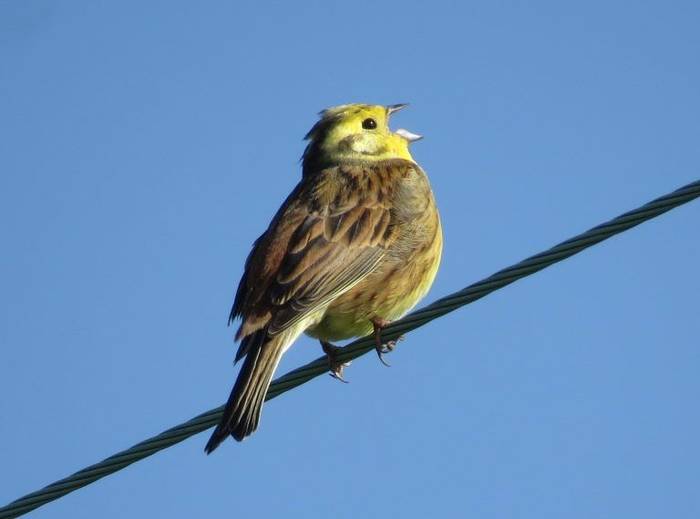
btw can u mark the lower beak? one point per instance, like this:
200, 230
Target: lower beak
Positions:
410, 137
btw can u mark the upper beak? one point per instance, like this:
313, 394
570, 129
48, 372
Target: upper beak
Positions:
395, 108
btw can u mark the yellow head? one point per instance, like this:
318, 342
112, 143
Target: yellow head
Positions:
356, 131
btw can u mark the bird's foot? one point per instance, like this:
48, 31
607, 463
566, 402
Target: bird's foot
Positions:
335, 366
379, 345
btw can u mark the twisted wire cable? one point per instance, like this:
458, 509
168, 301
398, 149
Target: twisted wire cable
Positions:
359, 347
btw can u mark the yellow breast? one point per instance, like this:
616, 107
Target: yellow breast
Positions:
390, 292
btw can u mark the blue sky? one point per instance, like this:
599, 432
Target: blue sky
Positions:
145, 145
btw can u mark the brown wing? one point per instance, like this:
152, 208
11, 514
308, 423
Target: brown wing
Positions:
331, 232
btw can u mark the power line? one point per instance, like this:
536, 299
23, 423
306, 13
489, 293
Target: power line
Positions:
359, 347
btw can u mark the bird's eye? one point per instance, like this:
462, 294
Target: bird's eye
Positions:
369, 124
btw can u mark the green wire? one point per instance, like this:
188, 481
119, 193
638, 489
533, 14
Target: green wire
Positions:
359, 347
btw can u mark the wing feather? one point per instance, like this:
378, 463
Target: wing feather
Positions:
332, 231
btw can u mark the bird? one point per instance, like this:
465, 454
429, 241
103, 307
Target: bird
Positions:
356, 245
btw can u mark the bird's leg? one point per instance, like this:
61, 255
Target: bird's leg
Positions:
382, 347
336, 366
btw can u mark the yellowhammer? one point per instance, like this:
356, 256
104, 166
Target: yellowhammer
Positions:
356, 245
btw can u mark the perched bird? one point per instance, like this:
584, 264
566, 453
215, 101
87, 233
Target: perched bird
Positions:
354, 246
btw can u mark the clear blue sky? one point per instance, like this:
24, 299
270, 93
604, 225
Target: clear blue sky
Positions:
145, 145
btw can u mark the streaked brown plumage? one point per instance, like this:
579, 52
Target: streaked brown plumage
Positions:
358, 241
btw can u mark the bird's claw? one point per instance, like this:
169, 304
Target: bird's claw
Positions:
389, 346
380, 354
335, 366
380, 346
337, 372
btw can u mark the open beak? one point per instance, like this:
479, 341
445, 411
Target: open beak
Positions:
410, 137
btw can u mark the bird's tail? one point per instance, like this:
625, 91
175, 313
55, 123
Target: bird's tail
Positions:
242, 411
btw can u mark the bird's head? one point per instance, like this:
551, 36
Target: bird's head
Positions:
357, 131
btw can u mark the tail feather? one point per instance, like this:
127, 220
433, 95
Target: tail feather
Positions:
242, 411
